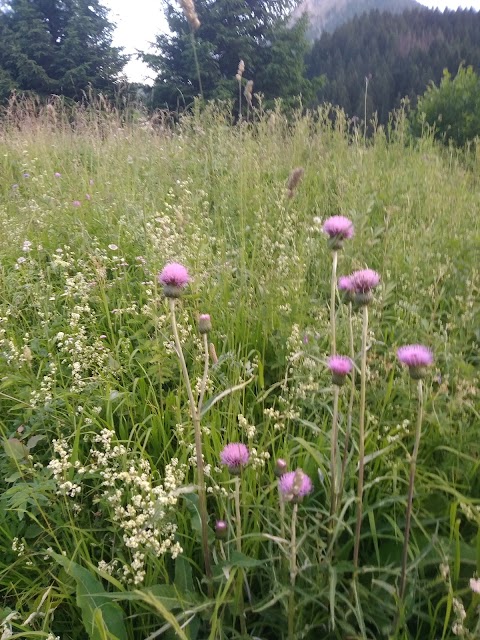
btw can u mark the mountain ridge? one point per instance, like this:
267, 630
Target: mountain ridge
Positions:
327, 15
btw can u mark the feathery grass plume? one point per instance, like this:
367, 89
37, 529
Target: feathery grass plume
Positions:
238, 77
294, 180
248, 93
188, 8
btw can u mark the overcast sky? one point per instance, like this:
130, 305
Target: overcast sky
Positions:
139, 21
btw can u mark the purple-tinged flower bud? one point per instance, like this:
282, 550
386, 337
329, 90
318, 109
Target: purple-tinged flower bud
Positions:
417, 358
280, 467
204, 323
221, 529
174, 278
340, 366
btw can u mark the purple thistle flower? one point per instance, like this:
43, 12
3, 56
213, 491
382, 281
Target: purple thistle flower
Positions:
174, 277
417, 358
26, 175
76, 203
294, 486
57, 174
345, 283
362, 283
235, 456
340, 366
338, 229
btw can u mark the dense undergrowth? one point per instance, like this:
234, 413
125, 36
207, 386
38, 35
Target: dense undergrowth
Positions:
99, 523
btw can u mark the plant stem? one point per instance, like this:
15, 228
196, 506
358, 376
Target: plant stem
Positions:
238, 527
197, 66
203, 385
333, 451
293, 573
333, 291
361, 438
202, 496
413, 466
351, 401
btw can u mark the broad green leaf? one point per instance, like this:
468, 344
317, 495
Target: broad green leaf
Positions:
92, 596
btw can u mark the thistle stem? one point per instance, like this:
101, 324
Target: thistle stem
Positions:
350, 402
203, 385
333, 451
202, 496
333, 292
361, 439
413, 466
197, 66
293, 573
238, 527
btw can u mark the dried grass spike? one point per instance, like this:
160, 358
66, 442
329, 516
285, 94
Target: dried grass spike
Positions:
188, 8
248, 92
294, 180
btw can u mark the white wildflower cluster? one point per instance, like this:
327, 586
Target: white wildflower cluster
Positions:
458, 627
249, 429
258, 460
18, 546
44, 394
60, 466
140, 507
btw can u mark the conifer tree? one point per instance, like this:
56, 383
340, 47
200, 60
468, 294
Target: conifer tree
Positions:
57, 46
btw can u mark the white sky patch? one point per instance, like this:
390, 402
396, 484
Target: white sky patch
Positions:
139, 21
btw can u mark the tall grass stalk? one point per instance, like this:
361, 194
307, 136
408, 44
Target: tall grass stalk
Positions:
361, 438
334, 454
202, 496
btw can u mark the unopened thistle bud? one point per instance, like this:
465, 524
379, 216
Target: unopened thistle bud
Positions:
204, 323
221, 530
280, 467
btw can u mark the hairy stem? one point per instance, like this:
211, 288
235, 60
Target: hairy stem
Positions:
333, 452
293, 573
348, 430
361, 438
203, 385
238, 527
202, 496
333, 298
413, 466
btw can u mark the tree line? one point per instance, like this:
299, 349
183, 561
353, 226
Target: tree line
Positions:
239, 50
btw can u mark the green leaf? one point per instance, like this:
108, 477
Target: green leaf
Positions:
183, 575
15, 449
92, 597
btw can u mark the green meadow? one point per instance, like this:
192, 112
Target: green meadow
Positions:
100, 509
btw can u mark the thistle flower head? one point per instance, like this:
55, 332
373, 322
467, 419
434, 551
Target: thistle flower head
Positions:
417, 358
362, 284
338, 229
340, 366
235, 456
294, 486
174, 278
